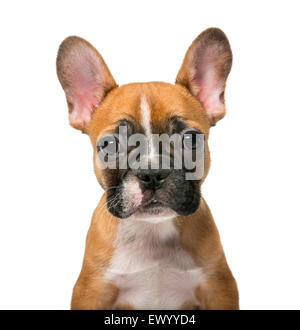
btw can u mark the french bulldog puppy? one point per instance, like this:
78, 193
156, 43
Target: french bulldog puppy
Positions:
152, 243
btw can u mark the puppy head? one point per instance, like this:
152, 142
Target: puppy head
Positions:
119, 119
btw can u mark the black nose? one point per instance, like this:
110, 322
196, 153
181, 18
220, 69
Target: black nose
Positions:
152, 179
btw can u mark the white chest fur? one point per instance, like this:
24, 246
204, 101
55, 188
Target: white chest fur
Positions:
150, 267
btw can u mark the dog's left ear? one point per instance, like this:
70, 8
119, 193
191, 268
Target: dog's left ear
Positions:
205, 69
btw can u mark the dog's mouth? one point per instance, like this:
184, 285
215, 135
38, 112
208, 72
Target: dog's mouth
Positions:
176, 198
153, 206
154, 210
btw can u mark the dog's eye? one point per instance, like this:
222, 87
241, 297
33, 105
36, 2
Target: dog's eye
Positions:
192, 139
108, 144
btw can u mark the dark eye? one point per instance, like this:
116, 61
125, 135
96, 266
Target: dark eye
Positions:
192, 139
108, 144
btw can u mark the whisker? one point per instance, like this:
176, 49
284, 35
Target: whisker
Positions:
110, 203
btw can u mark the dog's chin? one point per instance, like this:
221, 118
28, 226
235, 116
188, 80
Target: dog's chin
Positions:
154, 212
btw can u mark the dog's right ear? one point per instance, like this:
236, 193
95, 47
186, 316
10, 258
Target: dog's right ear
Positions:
84, 77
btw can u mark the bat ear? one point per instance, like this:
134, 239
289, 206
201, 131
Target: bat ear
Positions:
84, 77
205, 69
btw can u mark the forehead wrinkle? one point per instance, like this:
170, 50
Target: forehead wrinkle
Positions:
126, 119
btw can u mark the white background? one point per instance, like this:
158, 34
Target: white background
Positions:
47, 186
